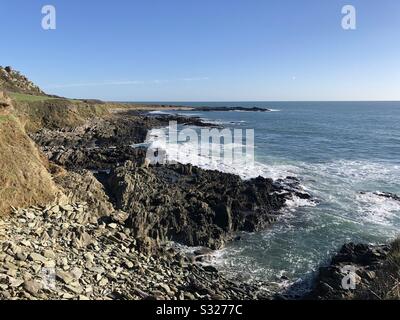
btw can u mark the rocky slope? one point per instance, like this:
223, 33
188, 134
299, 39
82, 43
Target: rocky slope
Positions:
14, 81
177, 202
65, 252
104, 229
108, 237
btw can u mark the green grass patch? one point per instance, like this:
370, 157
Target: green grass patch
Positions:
22, 97
4, 118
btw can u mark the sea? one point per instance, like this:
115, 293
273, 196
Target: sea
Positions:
344, 153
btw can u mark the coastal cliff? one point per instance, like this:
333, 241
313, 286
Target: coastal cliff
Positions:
87, 206
84, 216
24, 176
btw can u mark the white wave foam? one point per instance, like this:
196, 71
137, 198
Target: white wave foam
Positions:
185, 114
213, 121
159, 112
356, 171
340, 182
335, 183
189, 153
372, 207
297, 202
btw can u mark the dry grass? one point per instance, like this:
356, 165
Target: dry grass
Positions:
22, 97
386, 285
24, 173
24, 178
56, 113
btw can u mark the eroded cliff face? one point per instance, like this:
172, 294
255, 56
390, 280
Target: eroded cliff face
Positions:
5, 103
24, 178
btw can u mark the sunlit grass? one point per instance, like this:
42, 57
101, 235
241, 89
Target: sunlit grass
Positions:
22, 97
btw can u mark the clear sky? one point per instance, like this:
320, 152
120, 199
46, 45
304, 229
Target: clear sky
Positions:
206, 50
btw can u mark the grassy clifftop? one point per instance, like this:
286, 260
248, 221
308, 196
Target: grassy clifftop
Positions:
36, 109
39, 112
24, 176
24, 108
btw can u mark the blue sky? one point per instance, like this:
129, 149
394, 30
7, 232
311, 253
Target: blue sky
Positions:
208, 50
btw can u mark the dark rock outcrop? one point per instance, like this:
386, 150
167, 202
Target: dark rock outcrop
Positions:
388, 195
123, 129
241, 109
359, 263
193, 206
178, 202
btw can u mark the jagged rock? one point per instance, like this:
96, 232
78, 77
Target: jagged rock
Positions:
30, 215
21, 256
76, 288
84, 187
37, 257
203, 208
49, 254
363, 259
66, 277
67, 208
113, 225
15, 283
82, 240
388, 195
33, 287
89, 257
167, 289
77, 273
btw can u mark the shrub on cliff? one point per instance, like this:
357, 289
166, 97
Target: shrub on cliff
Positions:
386, 285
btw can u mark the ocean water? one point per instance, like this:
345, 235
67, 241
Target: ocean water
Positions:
342, 152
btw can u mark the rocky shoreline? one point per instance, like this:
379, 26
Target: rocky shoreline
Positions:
112, 234
110, 237
111, 223
359, 271
64, 252
178, 202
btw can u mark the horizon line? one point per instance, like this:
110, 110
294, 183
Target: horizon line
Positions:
273, 101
